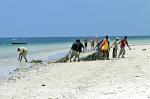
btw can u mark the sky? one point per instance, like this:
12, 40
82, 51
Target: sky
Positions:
61, 18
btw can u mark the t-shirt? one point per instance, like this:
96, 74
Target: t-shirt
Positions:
104, 45
115, 44
123, 43
74, 46
80, 46
23, 50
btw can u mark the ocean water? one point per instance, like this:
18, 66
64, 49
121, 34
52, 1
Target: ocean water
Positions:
44, 48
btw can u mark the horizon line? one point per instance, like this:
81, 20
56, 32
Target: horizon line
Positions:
72, 36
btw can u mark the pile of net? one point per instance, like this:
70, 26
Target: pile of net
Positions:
90, 57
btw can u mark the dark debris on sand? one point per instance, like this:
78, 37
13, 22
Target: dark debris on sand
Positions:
63, 60
144, 49
36, 61
91, 57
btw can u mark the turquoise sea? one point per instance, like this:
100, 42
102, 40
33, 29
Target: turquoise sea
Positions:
45, 48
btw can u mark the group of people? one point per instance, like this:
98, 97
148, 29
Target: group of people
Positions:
92, 42
102, 48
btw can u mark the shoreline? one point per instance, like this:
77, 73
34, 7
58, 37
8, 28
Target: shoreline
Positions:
10, 64
47, 61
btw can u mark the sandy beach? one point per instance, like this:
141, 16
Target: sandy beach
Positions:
124, 78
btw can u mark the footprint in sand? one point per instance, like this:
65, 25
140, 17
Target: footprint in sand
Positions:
138, 67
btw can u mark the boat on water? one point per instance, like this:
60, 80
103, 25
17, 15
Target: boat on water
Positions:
18, 43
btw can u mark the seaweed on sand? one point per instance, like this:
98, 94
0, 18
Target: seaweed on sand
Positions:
63, 60
36, 61
90, 57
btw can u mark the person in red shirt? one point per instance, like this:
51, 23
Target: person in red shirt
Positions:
123, 43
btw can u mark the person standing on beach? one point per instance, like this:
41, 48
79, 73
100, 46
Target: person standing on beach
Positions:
104, 48
97, 40
98, 51
80, 49
85, 44
115, 48
92, 44
122, 43
22, 53
97, 47
73, 52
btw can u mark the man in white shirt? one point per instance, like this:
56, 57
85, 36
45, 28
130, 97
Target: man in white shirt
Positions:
22, 53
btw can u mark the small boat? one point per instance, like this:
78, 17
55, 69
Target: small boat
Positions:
18, 43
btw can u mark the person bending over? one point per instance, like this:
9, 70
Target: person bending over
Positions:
22, 53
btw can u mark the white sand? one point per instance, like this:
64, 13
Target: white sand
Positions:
127, 78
